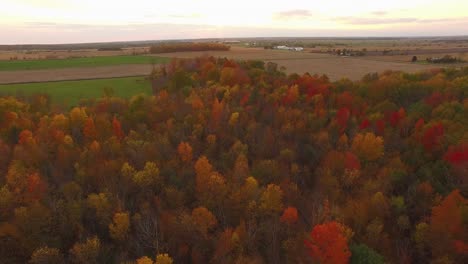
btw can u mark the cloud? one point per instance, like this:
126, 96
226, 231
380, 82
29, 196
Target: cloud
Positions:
37, 25
45, 4
374, 20
185, 15
351, 20
444, 20
293, 14
379, 13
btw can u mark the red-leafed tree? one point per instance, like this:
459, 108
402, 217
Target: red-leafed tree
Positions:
432, 137
342, 117
419, 124
327, 244
351, 161
364, 124
396, 117
291, 96
380, 127
434, 99
345, 99
457, 156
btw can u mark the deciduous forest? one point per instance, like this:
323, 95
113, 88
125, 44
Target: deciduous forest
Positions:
238, 162
188, 46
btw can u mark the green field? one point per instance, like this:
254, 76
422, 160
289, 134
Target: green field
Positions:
69, 93
18, 65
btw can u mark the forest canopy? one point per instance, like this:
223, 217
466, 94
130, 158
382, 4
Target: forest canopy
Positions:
238, 162
188, 46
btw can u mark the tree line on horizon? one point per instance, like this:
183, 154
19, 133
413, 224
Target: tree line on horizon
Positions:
188, 46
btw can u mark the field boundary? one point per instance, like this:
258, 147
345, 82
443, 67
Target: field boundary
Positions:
75, 80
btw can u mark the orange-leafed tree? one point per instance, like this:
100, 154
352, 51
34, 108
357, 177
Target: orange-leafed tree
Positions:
204, 219
289, 215
216, 112
117, 128
89, 129
448, 230
203, 171
37, 187
185, 152
328, 244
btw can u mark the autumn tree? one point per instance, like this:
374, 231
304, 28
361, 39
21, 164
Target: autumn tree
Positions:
46, 255
117, 128
148, 177
448, 231
204, 219
163, 259
101, 205
271, 200
89, 129
185, 152
327, 244
368, 146
87, 252
144, 260
120, 226
289, 215
362, 254
432, 136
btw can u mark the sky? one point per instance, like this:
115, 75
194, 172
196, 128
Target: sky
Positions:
81, 21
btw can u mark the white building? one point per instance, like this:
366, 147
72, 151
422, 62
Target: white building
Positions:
289, 48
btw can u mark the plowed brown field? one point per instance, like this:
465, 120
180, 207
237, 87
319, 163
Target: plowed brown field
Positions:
295, 62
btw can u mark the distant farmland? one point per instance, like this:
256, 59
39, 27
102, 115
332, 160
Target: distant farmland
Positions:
69, 93
18, 65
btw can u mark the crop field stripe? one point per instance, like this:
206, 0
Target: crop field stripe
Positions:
69, 93
17, 65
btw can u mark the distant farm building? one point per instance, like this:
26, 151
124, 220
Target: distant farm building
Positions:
289, 48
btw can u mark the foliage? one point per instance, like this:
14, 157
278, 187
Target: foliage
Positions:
289, 215
144, 260
187, 46
327, 244
234, 162
163, 259
368, 146
87, 252
362, 254
46, 255
119, 228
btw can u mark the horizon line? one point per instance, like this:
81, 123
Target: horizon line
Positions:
242, 38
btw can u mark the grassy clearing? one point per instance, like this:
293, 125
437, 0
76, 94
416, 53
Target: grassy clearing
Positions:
19, 65
69, 93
